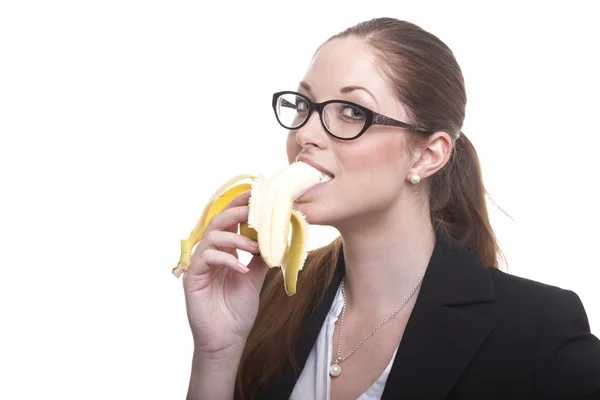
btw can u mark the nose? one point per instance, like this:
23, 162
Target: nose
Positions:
312, 134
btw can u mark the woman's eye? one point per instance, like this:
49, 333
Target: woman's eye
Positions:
301, 104
353, 113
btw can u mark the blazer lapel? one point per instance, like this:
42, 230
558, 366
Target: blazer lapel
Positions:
441, 338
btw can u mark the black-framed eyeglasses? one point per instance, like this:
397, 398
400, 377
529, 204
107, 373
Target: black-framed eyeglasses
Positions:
342, 119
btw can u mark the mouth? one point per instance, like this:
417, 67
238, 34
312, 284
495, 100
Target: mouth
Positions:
326, 175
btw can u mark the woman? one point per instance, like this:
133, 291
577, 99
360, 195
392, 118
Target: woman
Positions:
408, 302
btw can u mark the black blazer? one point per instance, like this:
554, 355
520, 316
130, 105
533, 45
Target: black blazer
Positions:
478, 333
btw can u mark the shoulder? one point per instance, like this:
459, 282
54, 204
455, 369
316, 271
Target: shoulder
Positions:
547, 326
506, 283
539, 303
566, 354
526, 309
527, 292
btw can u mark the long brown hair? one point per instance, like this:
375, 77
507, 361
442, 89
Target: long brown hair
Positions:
427, 79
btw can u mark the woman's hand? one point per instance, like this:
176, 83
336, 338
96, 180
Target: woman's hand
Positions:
222, 294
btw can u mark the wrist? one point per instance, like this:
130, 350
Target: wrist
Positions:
214, 373
226, 355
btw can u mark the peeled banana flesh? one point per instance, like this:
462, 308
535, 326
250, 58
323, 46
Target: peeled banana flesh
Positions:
280, 230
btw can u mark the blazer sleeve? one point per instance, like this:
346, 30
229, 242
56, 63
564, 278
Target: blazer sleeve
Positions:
567, 354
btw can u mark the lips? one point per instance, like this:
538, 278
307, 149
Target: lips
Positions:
326, 174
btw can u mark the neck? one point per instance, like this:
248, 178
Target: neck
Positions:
385, 258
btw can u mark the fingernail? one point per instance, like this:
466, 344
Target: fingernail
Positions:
253, 245
243, 267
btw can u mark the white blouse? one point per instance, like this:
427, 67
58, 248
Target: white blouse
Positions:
314, 381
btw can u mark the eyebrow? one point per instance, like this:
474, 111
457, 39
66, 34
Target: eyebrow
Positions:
344, 90
306, 87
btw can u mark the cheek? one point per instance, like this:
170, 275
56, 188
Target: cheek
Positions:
375, 158
373, 176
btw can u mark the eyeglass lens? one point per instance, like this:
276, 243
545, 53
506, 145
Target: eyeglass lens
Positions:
341, 119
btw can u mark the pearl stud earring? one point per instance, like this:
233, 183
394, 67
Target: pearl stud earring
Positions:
414, 178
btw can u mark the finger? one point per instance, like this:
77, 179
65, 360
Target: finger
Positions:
239, 200
212, 258
215, 258
230, 240
228, 219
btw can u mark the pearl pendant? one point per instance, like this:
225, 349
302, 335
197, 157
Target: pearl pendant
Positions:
335, 370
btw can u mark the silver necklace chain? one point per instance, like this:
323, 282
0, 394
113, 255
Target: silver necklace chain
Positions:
335, 369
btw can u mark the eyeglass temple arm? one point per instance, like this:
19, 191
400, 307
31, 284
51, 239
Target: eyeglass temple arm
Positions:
379, 119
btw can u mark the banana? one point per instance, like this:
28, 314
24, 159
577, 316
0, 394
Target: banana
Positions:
280, 230
215, 205
250, 233
294, 258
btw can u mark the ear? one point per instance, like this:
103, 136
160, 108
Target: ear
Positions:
432, 156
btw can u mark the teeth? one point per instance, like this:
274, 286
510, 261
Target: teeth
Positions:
325, 177
270, 218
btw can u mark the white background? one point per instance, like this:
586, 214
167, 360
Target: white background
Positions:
118, 119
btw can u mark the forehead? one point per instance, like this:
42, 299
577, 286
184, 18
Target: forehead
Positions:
345, 62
